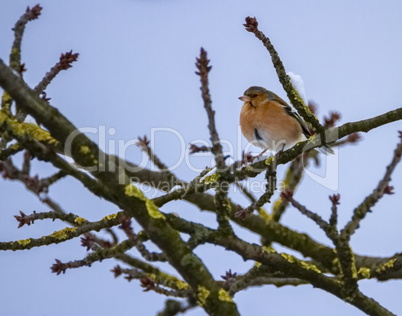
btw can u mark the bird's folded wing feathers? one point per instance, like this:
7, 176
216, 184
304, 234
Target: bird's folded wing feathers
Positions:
290, 112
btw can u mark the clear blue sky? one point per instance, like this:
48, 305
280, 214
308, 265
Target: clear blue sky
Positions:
136, 73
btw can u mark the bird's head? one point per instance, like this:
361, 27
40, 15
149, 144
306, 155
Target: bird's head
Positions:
255, 96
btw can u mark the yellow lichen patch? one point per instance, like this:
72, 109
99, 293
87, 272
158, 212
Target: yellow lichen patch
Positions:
15, 146
5, 97
309, 266
365, 272
152, 276
312, 137
288, 257
37, 133
30, 129
110, 217
269, 160
63, 233
387, 265
224, 296
132, 190
80, 221
15, 51
211, 179
202, 295
85, 150
354, 270
141, 234
173, 282
24, 242
153, 211
6, 101
3, 116
181, 285
303, 264
264, 214
268, 249
277, 204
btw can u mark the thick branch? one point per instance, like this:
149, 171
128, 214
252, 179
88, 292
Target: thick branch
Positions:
126, 195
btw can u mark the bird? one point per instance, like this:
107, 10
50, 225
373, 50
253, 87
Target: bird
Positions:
268, 122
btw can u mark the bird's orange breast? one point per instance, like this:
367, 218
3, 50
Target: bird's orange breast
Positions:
271, 121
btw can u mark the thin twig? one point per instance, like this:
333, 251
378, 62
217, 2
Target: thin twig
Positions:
246, 192
9, 151
29, 15
98, 255
287, 195
221, 199
270, 176
343, 250
251, 25
290, 182
203, 70
125, 225
144, 144
382, 188
333, 220
64, 63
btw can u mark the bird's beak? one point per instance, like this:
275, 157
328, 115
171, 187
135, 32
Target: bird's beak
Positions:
245, 98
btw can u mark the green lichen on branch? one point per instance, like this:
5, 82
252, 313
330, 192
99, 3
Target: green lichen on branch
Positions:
301, 263
386, 266
202, 295
22, 129
63, 233
24, 242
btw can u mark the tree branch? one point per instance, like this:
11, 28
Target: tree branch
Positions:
293, 95
125, 195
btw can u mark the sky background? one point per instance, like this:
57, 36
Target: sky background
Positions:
135, 74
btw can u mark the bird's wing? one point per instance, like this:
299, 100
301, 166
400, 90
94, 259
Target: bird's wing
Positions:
290, 112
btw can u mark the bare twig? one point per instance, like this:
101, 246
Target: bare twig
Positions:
256, 277
125, 225
203, 70
287, 195
251, 25
290, 182
344, 251
82, 226
29, 15
144, 144
382, 188
246, 192
197, 149
334, 209
10, 151
98, 255
64, 63
270, 176
221, 198
30, 219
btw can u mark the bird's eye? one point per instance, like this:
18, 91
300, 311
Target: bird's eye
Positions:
254, 95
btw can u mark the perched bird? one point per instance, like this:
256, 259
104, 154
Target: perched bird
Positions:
267, 121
